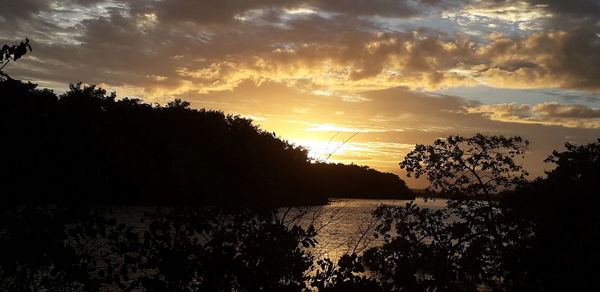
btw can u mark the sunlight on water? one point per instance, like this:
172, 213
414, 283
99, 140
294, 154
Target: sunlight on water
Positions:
339, 224
342, 223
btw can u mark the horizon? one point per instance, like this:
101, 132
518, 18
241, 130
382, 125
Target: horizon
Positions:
317, 72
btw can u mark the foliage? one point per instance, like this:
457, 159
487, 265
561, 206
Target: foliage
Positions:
348, 274
187, 249
537, 239
578, 166
174, 249
465, 244
54, 248
562, 209
436, 250
478, 165
14, 53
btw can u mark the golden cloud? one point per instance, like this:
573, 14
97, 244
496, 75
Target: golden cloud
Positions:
356, 62
349, 63
173, 47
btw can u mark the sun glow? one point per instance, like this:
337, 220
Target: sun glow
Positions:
321, 150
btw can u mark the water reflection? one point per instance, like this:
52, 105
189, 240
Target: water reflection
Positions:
345, 225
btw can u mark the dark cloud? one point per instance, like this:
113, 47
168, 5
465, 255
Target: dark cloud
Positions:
212, 12
22, 10
577, 8
389, 8
567, 59
549, 113
224, 11
552, 14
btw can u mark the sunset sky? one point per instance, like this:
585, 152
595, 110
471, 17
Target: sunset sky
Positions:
318, 71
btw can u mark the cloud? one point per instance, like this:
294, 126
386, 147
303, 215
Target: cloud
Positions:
553, 109
580, 13
235, 10
386, 8
192, 45
534, 15
566, 59
22, 10
362, 61
349, 61
549, 113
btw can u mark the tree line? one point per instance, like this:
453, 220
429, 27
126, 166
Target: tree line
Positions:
88, 146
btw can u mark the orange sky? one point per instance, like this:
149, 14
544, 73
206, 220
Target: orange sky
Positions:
318, 71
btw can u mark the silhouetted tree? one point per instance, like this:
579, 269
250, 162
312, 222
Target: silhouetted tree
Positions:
465, 244
478, 165
577, 167
562, 209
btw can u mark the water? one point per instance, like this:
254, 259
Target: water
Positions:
346, 225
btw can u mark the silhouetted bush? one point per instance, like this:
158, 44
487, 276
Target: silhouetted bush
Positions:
173, 249
563, 209
347, 274
52, 248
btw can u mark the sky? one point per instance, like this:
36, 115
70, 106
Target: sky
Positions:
382, 75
